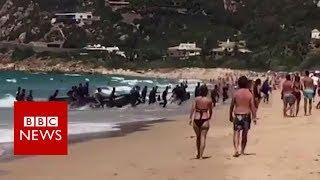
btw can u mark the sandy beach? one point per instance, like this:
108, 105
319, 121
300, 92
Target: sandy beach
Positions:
279, 149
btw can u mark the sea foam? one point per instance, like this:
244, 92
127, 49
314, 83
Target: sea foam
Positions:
13, 80
7, 101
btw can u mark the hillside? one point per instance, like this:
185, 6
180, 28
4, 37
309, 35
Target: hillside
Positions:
277, 31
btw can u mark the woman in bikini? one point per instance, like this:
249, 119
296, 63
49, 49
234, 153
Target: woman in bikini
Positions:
297, 87
201, 113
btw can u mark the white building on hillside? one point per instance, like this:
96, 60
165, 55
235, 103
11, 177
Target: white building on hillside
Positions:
77, 17
230, 48
184, 50
99, 47
315, 34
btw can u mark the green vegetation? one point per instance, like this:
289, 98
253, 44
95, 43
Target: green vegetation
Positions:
278, 32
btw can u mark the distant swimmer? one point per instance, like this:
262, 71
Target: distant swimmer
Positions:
287, 96
242, 109
201, 113
144, 94
164, 97
308, 92
54, 96
18, 93
22, 95
30, 96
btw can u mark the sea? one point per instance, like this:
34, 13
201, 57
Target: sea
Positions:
84, 121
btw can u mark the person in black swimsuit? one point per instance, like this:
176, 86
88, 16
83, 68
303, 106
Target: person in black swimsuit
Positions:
215, 95
297, 87
200, 115
257, 92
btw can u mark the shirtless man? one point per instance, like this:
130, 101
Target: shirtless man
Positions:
242, 109
287, 96
308, 92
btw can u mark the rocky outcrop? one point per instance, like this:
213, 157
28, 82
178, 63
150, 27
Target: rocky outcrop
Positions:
48, 65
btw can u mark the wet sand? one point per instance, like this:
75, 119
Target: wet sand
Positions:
279, 149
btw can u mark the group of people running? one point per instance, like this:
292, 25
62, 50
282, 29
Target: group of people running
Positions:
80, 95
137, 96
246, 96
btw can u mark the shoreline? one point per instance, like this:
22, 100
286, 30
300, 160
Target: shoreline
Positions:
125, 129
166, 151
38, 65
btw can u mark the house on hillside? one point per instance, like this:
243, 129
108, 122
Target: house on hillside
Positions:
315, 34
117, 4
230, 48
315, 41
74, 18
99, 47
184, 51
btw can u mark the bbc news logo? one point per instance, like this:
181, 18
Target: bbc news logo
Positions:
36, 134
40, 128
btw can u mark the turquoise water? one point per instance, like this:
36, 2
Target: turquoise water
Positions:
84, 120
44, 85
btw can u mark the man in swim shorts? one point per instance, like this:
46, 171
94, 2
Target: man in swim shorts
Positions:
242, 109
308, 92
287, 96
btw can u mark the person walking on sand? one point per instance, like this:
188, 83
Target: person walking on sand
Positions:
297, 87
196, 91
257, 92
265, 89
308, 92
201, 113
225, 90
215, 95
287, 96
242, 109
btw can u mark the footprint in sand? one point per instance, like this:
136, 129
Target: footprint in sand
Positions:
152, 171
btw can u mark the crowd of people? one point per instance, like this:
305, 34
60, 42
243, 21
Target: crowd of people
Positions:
294, 87
80, 95
246, 97
21, 95
137, 96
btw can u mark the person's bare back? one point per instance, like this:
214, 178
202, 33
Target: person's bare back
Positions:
287, 87
243, 101
307, 82
202, 103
